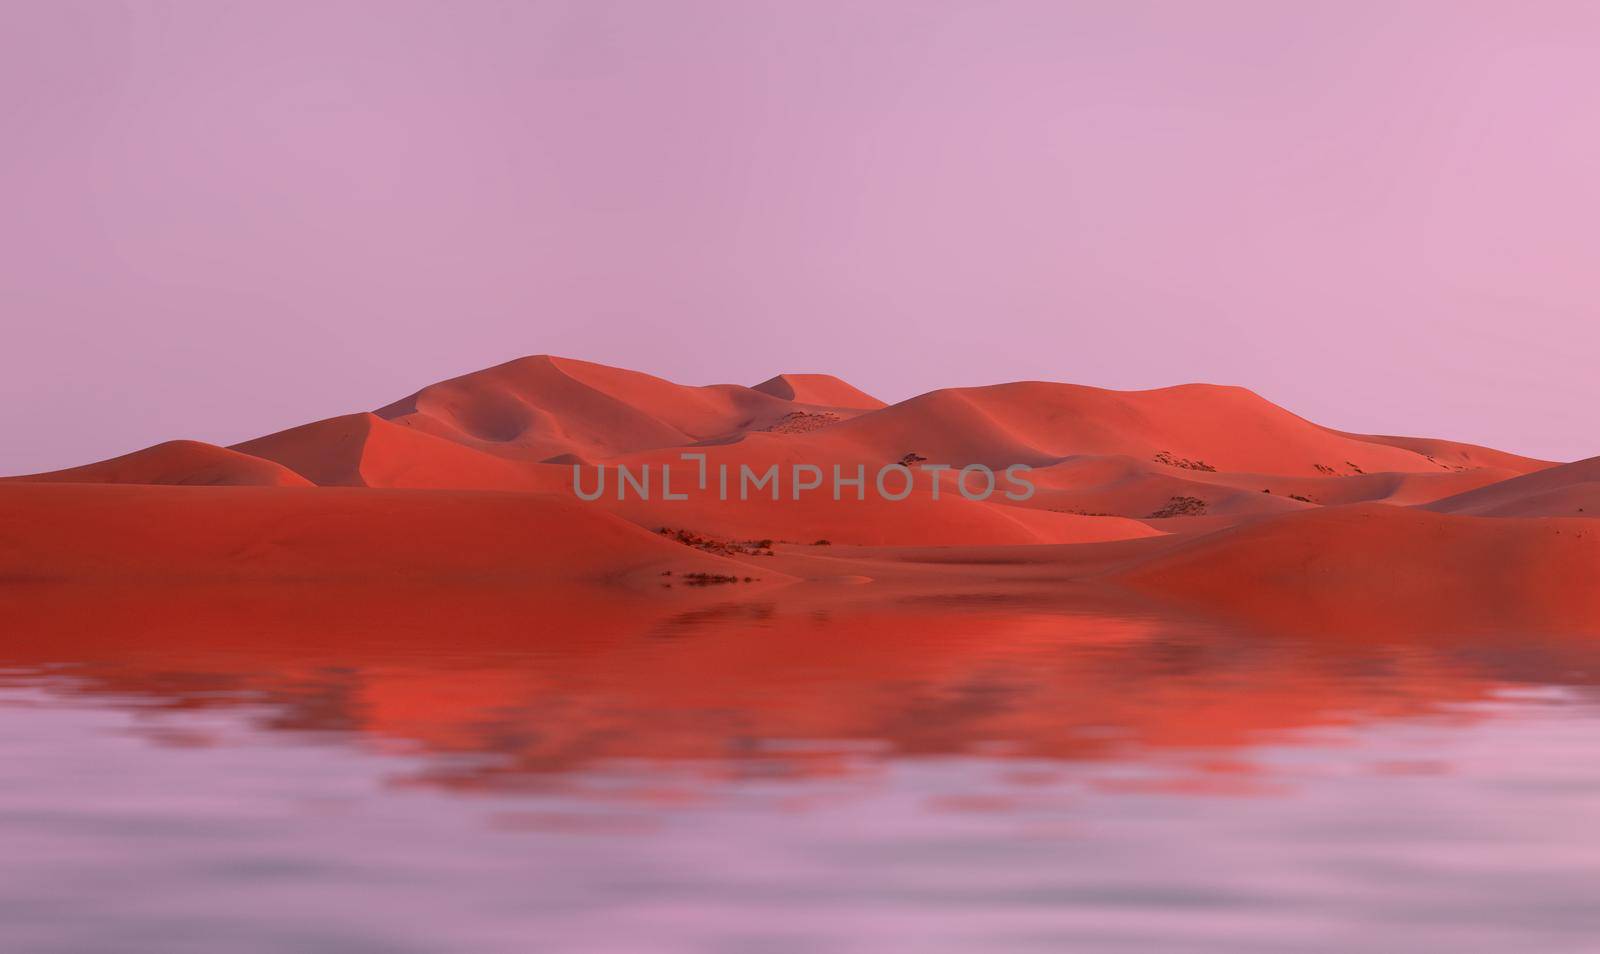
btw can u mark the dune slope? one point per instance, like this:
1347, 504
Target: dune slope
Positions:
1570, 490
1194, 427
123, 533
179, 462
1374, 568
364, 450
823, 390
539, 407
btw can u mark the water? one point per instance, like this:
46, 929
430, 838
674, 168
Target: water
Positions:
321, 772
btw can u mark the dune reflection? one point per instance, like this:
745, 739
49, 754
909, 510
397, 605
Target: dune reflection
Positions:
513, 687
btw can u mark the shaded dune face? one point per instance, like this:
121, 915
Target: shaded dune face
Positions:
1570, 490
364, 450
540, 407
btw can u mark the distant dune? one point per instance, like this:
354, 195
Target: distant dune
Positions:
1197, 495
1197, 425
823, 390
539, 407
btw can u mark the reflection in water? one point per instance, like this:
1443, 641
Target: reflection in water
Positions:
349, 769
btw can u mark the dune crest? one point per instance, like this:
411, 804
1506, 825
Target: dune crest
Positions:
178, 462
364, 450
542, 406
1196, 427
823, 390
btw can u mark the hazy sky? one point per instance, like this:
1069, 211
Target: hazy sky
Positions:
221, 219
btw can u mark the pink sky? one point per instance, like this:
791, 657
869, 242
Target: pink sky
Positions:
218, 220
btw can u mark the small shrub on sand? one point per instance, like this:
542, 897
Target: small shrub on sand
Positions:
712, 579
1172, 460
1180, 507
714, 545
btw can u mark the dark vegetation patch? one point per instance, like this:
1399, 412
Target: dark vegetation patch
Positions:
1354, 468
713, 545
1300, 497
1180, 507
802, 422
1171, 460
713, 579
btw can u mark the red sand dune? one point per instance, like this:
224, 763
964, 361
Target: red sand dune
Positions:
1378, 569
520, 426
1040, 423
1455, 454
823, 390
1124, 486
179, 462
364, 450
1208, 495
916, 520
538, 407
1570, 490
71, 532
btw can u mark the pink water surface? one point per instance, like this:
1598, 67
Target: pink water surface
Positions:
1012, 780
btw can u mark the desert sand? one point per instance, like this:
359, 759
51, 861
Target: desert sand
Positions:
1200, 499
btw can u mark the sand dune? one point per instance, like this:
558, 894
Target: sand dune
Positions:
539, 407
492, 429
179, 462
364, 450
1377, 569
1210, 497
822, 390
1192, 427
112, 533
1124, 486
1455, 454
1570, 490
